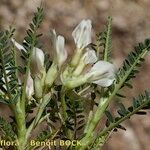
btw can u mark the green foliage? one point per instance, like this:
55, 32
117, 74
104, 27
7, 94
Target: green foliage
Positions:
100, 141
43, 135
76, 118
6, 130
9, 82
138, 105
53, 110
131, 64
29, 43
31, 40
103, 45
129, 69
123, 76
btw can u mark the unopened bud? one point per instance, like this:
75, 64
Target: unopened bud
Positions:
51, 75
39, 86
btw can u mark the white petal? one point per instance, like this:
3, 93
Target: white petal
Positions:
102, 67
82, 34
90, 57
38, 58
60, 50
102, 73
29, 87
19, 60
57, 43
105, 82
53, 38
20, 47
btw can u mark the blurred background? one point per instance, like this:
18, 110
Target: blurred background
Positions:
131, 24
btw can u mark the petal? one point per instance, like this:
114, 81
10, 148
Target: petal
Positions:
53, 38
37, 62
19, 60
38, 57
60, 45
57, 43
29, 87
90, 57
102, 67
105, 82
82, 34
60, 50
20, 47
102, 73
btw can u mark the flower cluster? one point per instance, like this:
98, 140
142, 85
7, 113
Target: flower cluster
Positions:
75, 72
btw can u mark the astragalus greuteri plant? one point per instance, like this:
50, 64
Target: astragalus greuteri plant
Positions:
69, 95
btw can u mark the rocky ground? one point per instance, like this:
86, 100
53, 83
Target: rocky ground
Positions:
131, 22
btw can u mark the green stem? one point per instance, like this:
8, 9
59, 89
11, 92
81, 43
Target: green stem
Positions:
113, 125
108, 40
100, 141
23, 102
20, 115
21, 125
90, 135
63, 103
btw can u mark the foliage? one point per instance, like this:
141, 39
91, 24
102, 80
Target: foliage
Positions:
103, 44
7, 131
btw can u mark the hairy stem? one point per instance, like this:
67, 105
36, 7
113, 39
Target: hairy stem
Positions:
89, 137
21, 125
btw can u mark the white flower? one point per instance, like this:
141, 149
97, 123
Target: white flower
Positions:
37, 60
102, 73
82, 34
61, 52
58, 44
29, 87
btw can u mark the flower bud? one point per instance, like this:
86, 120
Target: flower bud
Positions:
39, 86
61, 52
51, 75
57, 44
76, 58
37, 62
73, 82
29, 87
